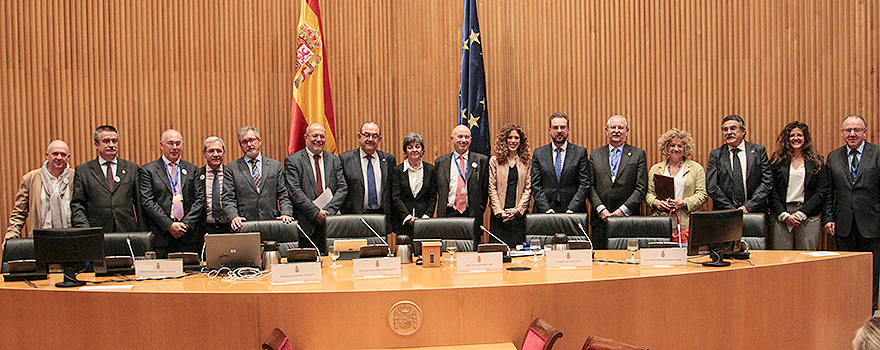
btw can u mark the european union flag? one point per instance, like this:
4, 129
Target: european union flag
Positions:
472, 94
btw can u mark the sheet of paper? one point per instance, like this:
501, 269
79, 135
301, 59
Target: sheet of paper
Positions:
108, 287
323, 199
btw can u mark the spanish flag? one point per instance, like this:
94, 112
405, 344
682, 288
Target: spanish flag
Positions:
311, 84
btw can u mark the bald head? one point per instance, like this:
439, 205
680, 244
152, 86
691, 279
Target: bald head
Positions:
171, 145
57, 157
316, 136
461, 138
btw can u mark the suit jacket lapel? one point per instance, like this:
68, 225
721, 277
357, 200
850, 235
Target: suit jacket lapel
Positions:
100, 176
724, 158
625, 153
604, 166
165, 179
866, 154
243, 167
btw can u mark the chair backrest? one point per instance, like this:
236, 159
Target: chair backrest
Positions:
544, 226
755, 230
599, 343
351, 227
458, 231
115, 243
18, 249
646, 229
277, 341
540, 336
287, 235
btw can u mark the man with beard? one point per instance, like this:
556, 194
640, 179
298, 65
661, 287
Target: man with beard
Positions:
561, 173
44, 195
253, 186
738, 174
620, 179
173, 198
105, 190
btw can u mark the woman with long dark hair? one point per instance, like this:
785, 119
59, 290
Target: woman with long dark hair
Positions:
510, 184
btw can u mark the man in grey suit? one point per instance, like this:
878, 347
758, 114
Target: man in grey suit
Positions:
173, 198
310, 172
105, 190
368, 175
253, 186
738, 174
852, 214
561, 172
462, 180
620, 179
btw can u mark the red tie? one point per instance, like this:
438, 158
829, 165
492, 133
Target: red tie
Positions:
460, 198
319, 180
110, 180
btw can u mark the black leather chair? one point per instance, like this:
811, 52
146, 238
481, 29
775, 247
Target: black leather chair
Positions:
458, 231
18, 249
115, 243
755, 230
351, 227
287, 235
544, 226
646, 229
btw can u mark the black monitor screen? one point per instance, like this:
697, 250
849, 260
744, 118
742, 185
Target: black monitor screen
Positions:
714, 229
70, 247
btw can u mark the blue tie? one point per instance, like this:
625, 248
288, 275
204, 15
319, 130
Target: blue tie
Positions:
558, 164
615, 162
855, 162
372, 198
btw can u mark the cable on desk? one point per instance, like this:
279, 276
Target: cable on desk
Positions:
239, 274
616, 262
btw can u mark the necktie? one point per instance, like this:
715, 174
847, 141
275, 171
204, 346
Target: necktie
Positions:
558, 165
855, 162
460, 198
739, 193
110, 181
319, 179
372, 197
615, 162
177, 198
255, 173
215, 196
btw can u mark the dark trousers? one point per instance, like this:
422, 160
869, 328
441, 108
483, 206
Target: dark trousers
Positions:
599, 231
176, 246
216, 227
855, 242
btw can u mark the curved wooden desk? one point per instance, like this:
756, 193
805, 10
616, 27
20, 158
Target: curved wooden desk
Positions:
786, 301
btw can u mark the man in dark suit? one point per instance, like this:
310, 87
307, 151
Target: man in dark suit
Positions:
561, 172
620, 179
215, 220
413, 191
738, 174
105, 190
173, 198
462, 180
368, 175
253, 186
852, 213
312, 172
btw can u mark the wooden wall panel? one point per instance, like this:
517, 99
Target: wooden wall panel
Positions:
208, 68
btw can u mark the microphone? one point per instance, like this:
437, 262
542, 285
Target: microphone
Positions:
586, 235
374, 231
496, 237
310, 241
128, 241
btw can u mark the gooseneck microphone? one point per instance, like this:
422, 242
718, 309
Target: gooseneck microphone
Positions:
494, 236
310, 241
128, 241
374, 231
586, 235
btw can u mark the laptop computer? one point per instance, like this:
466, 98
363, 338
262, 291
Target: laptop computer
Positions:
233, 250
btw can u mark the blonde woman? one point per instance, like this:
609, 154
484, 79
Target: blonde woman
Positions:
688, 175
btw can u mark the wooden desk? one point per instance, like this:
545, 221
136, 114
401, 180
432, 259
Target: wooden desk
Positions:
495, 346
786, 301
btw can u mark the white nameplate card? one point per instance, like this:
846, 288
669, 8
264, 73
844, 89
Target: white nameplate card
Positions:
375, 267
569, 259
479, 262
296, 273
158, 268
663, 257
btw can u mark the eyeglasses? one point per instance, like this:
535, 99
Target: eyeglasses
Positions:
317, 136
249, 141
370, 136
855, 130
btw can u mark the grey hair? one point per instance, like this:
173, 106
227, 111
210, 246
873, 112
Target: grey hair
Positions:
246, 129
101, 128
413, 137
854, 116
212, 139
165, 133
625, 122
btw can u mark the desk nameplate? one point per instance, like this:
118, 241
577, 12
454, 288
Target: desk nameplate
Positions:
479, 262
569, 259
376, 267
662, 257
158, 268
296, 273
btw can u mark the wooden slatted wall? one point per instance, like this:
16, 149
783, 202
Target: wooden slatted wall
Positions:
210, 67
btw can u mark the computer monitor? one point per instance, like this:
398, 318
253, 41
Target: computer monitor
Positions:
72, 248
714, 232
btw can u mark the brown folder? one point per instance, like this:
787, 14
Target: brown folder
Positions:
664, 187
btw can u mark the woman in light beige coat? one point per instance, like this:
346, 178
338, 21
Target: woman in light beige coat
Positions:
690, 178
509, 195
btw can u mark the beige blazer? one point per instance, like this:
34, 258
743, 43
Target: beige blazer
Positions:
498, 185
695, 194
27, 204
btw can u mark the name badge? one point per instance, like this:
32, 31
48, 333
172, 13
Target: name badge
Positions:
663, 257
296, 273
478, 262
376, 267
158, 268
569, 259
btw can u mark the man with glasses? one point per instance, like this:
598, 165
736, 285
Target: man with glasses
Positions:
253, 185
620, 179
738, 174
851, 215
215, 220
368, 175
311, 173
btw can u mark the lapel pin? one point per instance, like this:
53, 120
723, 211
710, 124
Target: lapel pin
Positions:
629, 154
66, 181
183, 171
202, 177
116, 179
474, 165
123, 171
